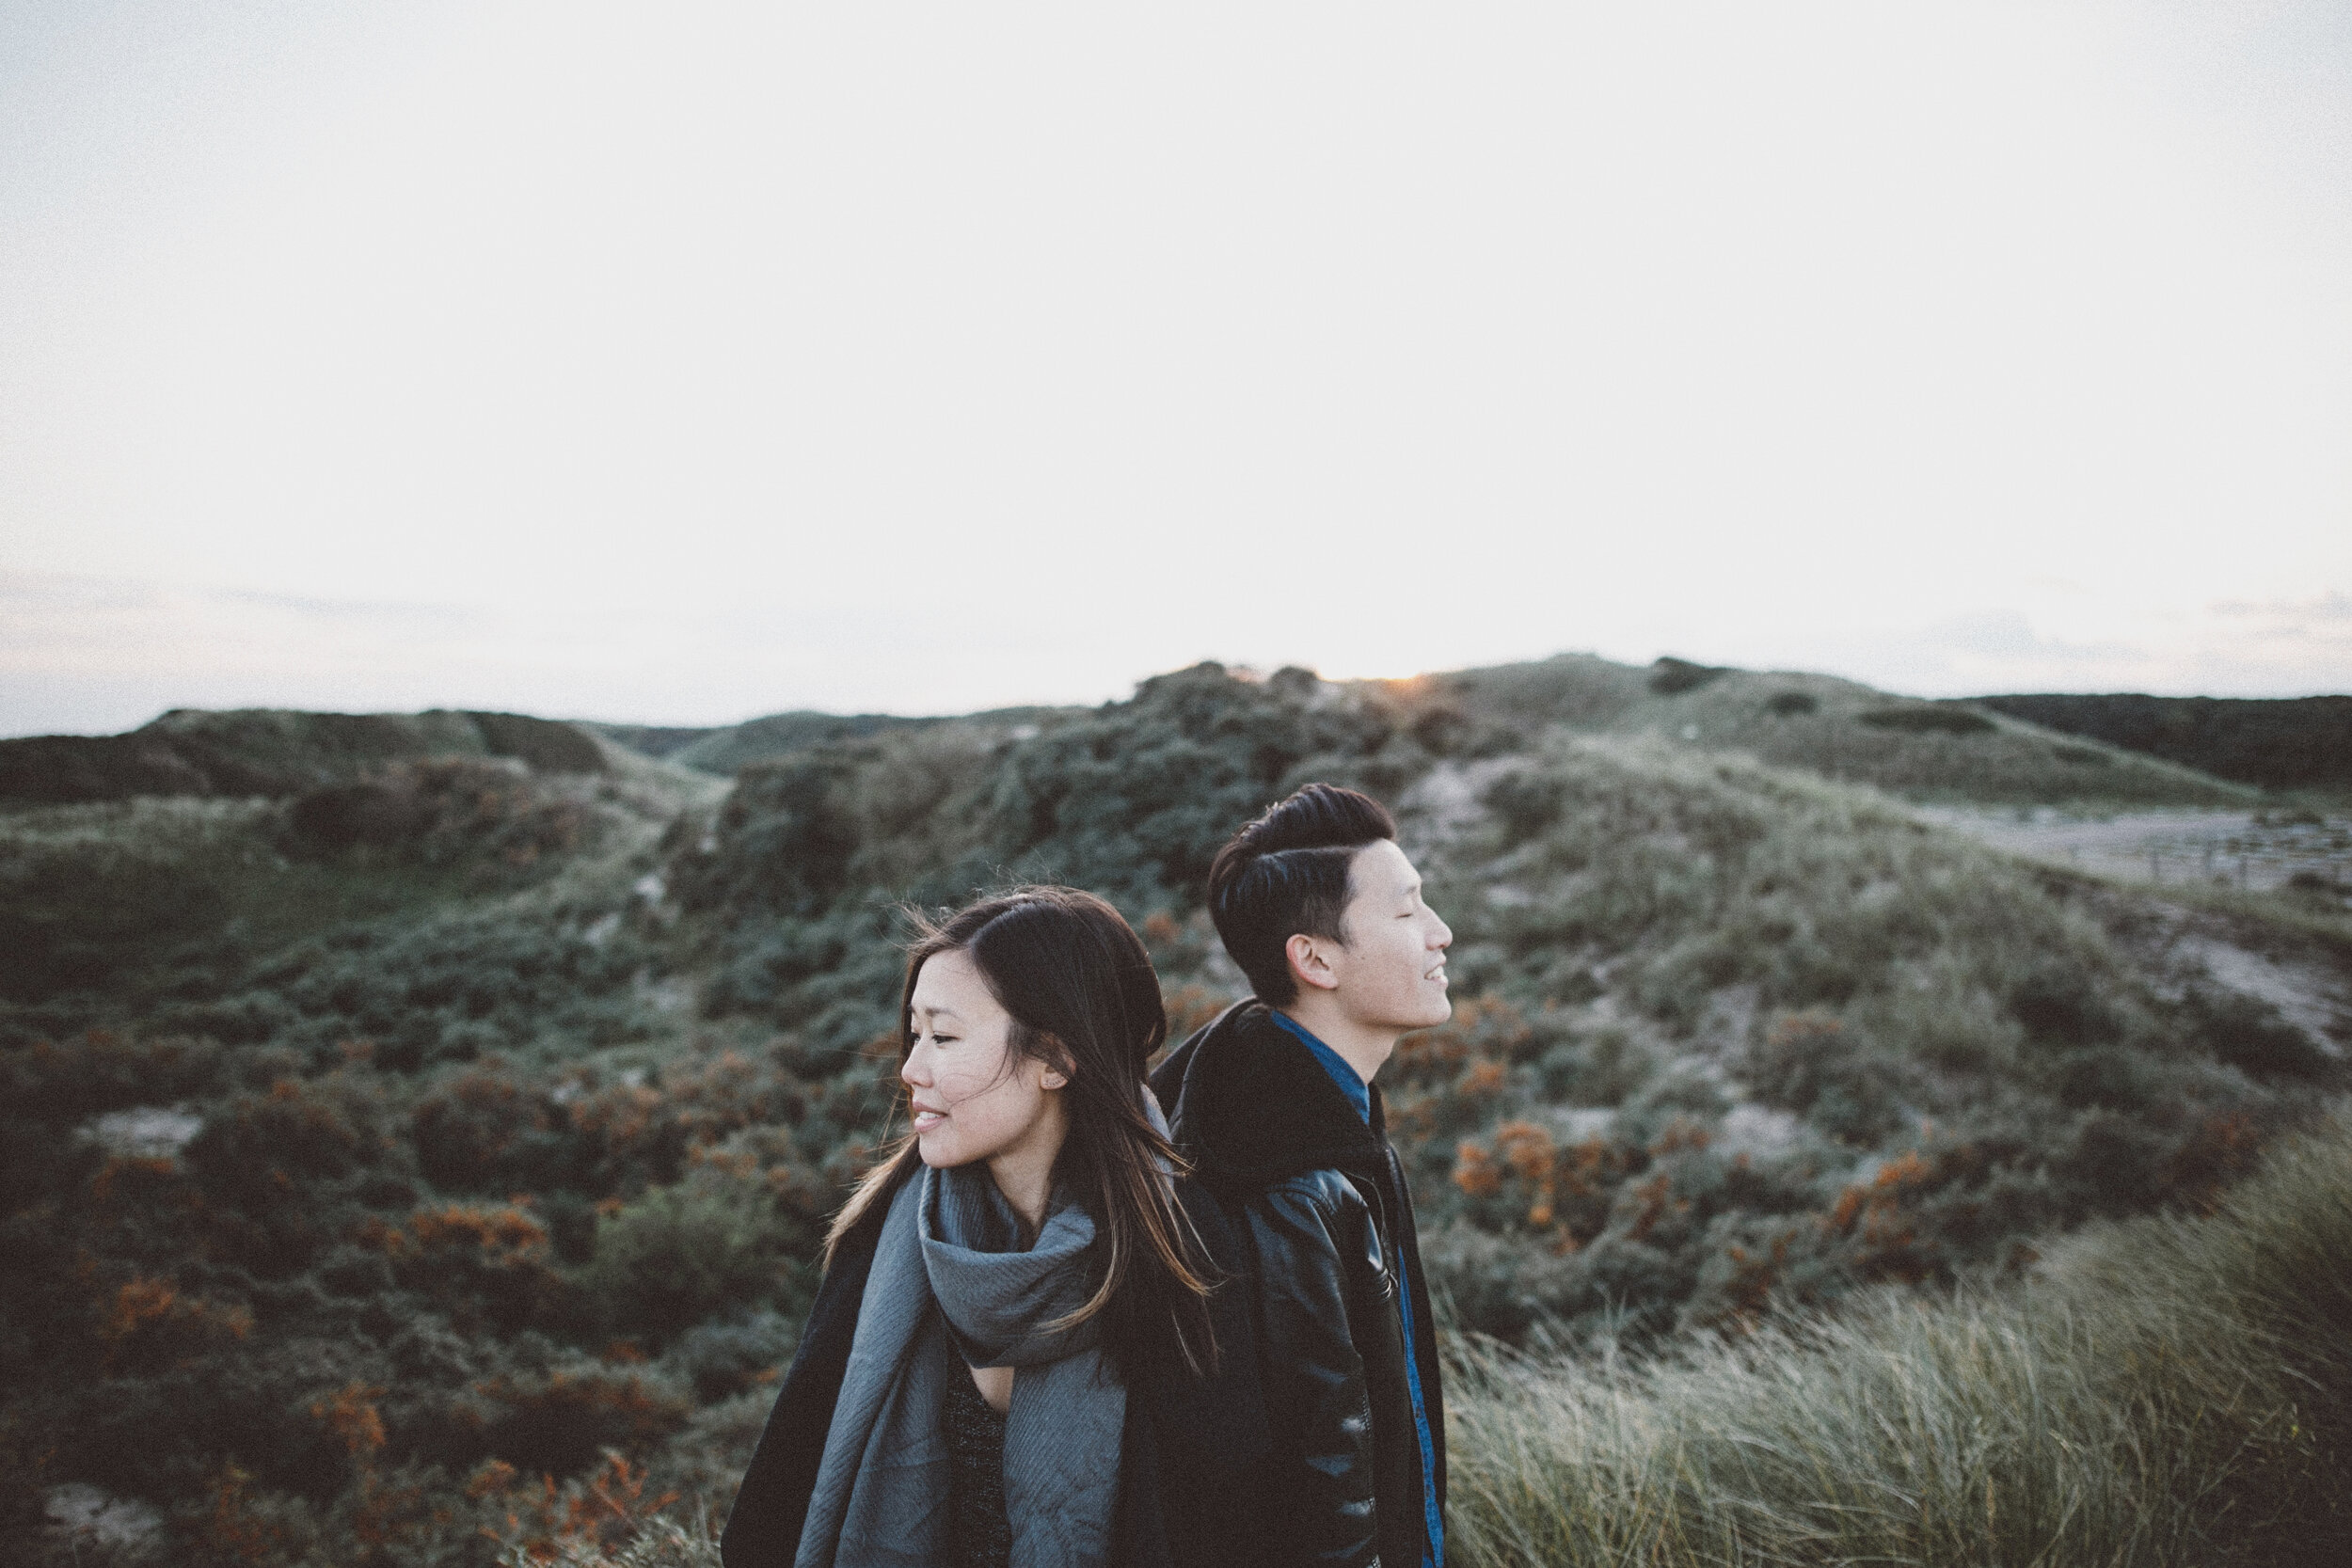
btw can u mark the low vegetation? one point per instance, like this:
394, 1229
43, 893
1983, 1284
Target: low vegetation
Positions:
426, 1165
1836, 729
2299, 743
2167, 1391
1742, 1035
267, 753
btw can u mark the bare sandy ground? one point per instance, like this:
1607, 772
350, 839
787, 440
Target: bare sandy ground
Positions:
2183, 947
2245, 849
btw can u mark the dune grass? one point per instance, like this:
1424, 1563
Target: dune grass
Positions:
2170, 1391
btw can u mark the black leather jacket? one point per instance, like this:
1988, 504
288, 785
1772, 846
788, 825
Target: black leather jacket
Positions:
1320, 1199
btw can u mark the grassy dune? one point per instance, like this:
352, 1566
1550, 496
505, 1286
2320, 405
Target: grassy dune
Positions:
1837, 728
510, 1101
1774, 1036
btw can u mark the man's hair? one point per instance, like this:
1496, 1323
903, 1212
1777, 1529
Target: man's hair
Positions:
1286, 874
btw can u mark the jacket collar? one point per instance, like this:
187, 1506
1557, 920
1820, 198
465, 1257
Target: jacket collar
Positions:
1249, 1105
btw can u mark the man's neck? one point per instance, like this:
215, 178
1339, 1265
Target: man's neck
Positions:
1364, 1049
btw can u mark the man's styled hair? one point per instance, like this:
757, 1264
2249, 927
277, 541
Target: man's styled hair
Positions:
1286, 874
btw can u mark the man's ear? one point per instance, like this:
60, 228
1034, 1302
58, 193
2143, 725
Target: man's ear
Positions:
1308, 965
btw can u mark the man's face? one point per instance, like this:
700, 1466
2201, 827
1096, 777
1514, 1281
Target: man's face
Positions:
1391, 968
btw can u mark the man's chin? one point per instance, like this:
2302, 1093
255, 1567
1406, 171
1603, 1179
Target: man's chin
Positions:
1437, 1013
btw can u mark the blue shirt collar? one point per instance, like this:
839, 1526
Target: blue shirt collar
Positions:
1351, 1083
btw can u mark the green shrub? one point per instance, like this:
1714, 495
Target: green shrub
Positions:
683, 1253
75, 923
726, 1355
2249, 1034
1925, 719
1671, 677
559, 1420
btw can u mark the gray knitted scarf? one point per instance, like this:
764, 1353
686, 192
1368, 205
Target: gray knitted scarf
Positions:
951, 1286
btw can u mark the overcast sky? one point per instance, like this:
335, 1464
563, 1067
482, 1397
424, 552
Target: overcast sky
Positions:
682, 363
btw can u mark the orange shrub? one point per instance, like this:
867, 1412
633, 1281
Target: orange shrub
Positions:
151, 1319
492, 1260
1189, 1006
539, 1522
1877, 1216
1475, 1171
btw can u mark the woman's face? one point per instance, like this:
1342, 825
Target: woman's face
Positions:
971, 1097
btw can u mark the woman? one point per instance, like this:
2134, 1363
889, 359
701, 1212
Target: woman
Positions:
1018, 1354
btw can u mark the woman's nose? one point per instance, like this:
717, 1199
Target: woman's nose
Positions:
909, 1074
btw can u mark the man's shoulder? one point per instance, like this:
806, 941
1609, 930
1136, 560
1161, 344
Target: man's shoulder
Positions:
1206, 1047
1326, 1186
1251, 1107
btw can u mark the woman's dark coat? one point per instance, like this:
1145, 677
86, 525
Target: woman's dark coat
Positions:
1319, 1200
1192, 1483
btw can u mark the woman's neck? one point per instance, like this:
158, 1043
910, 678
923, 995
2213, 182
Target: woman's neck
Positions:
1027, 1184
1025, 1171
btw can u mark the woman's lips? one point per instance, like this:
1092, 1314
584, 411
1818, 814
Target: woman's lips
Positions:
926, 1119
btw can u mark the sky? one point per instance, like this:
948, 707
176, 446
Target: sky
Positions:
685, 363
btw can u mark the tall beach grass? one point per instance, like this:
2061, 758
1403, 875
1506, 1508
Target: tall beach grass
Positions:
2170, 1391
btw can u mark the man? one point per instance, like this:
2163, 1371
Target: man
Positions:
1273, 1104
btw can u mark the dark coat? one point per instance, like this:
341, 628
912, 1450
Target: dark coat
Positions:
1319, 1200
1192, 1473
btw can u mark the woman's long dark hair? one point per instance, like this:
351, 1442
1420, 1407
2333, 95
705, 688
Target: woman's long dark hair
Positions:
1084, 998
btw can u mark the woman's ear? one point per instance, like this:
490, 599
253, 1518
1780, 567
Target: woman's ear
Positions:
1057, 1065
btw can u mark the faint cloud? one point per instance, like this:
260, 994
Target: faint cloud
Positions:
33, 592
2006, 634
83, 653
2325, 616
440, 616
44, 615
